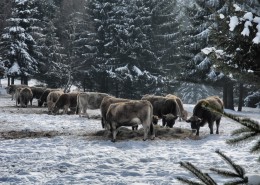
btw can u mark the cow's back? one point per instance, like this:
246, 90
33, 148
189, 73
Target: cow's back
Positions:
209, 108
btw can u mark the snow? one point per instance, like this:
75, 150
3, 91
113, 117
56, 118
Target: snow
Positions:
208, 50
74, 157
233, 23
237, 8
221, 16
14, 69
246, 31
248, 16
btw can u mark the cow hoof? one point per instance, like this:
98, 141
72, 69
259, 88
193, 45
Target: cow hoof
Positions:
113, 140
144, 139
152, 138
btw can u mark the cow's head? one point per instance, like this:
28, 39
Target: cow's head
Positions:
40, 102
170, 119
54, 109
194, 121
155, 119
184, 115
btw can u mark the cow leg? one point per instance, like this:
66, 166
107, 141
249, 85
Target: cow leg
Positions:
146, 130
163, 121
65, 110
198, 131
211, 127
217, 124
152, 131
135, 127
114, 131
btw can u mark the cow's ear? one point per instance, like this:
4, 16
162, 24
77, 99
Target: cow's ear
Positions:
188, 120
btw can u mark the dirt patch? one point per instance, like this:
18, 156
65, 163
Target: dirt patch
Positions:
28, 134
123, 134
160, 133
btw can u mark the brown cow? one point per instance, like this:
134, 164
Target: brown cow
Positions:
183, 113
66, 101
207, 110
91, 100
25, 96
165, 108
52, 97
130, 113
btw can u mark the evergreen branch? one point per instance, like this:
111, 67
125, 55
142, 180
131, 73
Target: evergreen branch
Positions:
243, 138
238, 169
204, 177
244, 181
256, 148
240, 131
225, 173
184, 180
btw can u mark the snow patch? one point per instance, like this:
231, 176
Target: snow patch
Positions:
233, 23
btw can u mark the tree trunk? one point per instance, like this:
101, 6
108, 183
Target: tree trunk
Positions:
8, 80
12, 80
228, 96
225, 95
241, 94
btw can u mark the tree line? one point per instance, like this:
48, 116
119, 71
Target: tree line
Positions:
129, 48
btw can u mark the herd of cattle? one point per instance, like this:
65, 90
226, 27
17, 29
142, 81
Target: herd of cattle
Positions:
117, 112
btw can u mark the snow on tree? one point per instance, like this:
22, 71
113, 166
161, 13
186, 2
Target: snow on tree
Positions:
17, 43
237, 51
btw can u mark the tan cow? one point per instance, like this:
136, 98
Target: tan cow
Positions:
208, 111
17, 96
91, 100
131, 113
52, 97
183, 113
11, 89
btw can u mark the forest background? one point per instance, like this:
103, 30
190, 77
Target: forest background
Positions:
128, 48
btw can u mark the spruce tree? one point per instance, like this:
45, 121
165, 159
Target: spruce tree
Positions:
18, 46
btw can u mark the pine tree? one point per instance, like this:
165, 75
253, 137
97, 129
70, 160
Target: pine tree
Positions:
50, 62
18, 45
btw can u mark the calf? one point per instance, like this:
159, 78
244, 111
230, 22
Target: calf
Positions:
25, 96
130, 114
66, 101
165, 108
91, 100
208, 111
52, 97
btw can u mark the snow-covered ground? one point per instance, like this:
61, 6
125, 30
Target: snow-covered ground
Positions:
74, 157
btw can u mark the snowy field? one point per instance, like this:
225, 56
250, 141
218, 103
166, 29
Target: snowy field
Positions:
66, 153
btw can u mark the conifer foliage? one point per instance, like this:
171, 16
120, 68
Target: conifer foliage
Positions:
238, 173
18, 45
